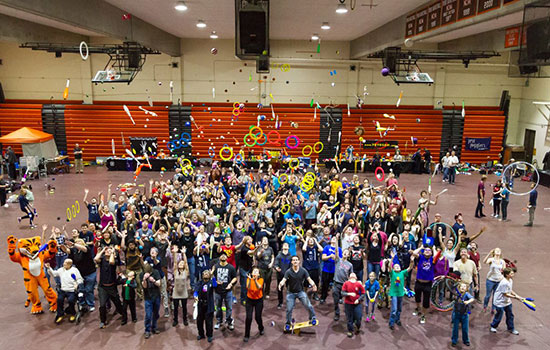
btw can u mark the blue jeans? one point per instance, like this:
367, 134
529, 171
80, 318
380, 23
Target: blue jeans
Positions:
152, 307
88, 286
491, 288
220, 299
373, 267
396, 307
291, 299
463, 319
192, 278
354, 312
445, 173
242, 280
509, 317
370, 306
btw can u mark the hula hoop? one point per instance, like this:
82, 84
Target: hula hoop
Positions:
445, 282
286, 179
276, 142
287, 206
73, 211
290, 163
455, 235
376, 174
248, 144
183, 162
77, 207
265, 140
296, 140
222, 151
506, 184
83, 44
315, 147
310, 150
253, 133
68, 214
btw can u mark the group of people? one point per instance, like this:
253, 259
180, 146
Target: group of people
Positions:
219, 237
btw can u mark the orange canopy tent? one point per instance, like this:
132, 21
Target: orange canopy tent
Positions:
26, 135
35, 143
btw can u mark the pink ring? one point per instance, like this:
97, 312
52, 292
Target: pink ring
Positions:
376, 174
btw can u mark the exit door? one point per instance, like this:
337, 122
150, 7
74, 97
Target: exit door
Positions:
529, 144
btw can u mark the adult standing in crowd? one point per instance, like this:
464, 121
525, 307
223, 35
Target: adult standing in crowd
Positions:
532, 205
78, 164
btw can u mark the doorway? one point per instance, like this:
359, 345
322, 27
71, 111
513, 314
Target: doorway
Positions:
529, 144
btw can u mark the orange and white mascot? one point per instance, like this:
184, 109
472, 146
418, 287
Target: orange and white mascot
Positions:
28, 253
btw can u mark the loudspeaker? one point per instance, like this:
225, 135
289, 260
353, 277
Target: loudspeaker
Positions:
253, 33
2, 97
134, 59
528, 69
538, 41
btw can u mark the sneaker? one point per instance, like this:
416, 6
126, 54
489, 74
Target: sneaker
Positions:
485, 309
59, 319
262, 332
123, 322
527, 225
416, 312
279, 306
367, 319
422, 319
72, 318
210, 339
267, 297
185, 322
156, 331
514, 332
33, 226
147, 335
316, 297
134, 321
19, 219
92, 309
199, 337
102, 325
6, 205
467, 344
493, 330
398, 323
336, 317
217, 326
174, 324
234, 300
453, 345
350, 334
372, 318
231, 325
166, 312
322, 301
245, 339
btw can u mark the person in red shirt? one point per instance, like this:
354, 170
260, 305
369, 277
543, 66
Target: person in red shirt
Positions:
354, 293
475, 257
481, 197
229, 249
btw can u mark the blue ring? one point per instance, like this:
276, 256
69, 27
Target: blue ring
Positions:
265, 140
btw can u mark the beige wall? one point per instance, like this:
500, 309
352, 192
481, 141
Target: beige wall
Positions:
27, 74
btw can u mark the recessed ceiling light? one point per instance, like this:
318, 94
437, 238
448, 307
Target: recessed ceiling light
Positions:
180, 6
341, 8
325, 26
213, 35
315, 37
201, 24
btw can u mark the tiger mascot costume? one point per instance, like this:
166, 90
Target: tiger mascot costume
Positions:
28, 253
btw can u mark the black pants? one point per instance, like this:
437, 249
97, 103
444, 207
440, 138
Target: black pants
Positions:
255, 306
2, 196
177, 303
129, 304
205, 318
279, 291
397, 169
314, 274
266, 275
11, 171
326, 280
479, 208
108, 293
496, 206
337, 295
30, 214
504, 206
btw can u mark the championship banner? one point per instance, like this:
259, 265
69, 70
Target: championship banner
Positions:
370, 144
478, 144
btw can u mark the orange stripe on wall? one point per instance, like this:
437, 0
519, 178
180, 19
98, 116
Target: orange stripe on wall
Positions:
476, 125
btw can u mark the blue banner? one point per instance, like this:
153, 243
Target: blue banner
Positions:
478, 144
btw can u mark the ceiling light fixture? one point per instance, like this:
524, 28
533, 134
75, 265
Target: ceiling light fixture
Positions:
213, 35
201, 24
315, 37
325, 26
181, 6
341, 8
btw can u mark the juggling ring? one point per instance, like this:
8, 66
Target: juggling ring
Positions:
315, 147
434, 295
286, 179
287, 206
265, 140
239, 155
77, 207
511, 190
455, 235
68, 214
310, 150
276, 142
376, 174
222, 152
211, 152
252, 127
236, 114
83, 44
296, 139
248, 144
290, 163
236, 105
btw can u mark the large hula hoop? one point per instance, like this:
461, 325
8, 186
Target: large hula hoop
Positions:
445, 282
82, 45
455, 235
505, 183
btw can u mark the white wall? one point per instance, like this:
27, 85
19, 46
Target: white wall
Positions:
27, 74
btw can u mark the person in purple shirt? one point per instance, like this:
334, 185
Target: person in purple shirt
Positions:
480, 197
424, 280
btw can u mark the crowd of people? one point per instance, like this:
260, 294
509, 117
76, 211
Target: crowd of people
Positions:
220, 238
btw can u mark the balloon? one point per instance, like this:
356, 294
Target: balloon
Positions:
385, 71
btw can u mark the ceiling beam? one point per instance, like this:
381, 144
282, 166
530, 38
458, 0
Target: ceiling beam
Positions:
393, 33
15, 29
100, 17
